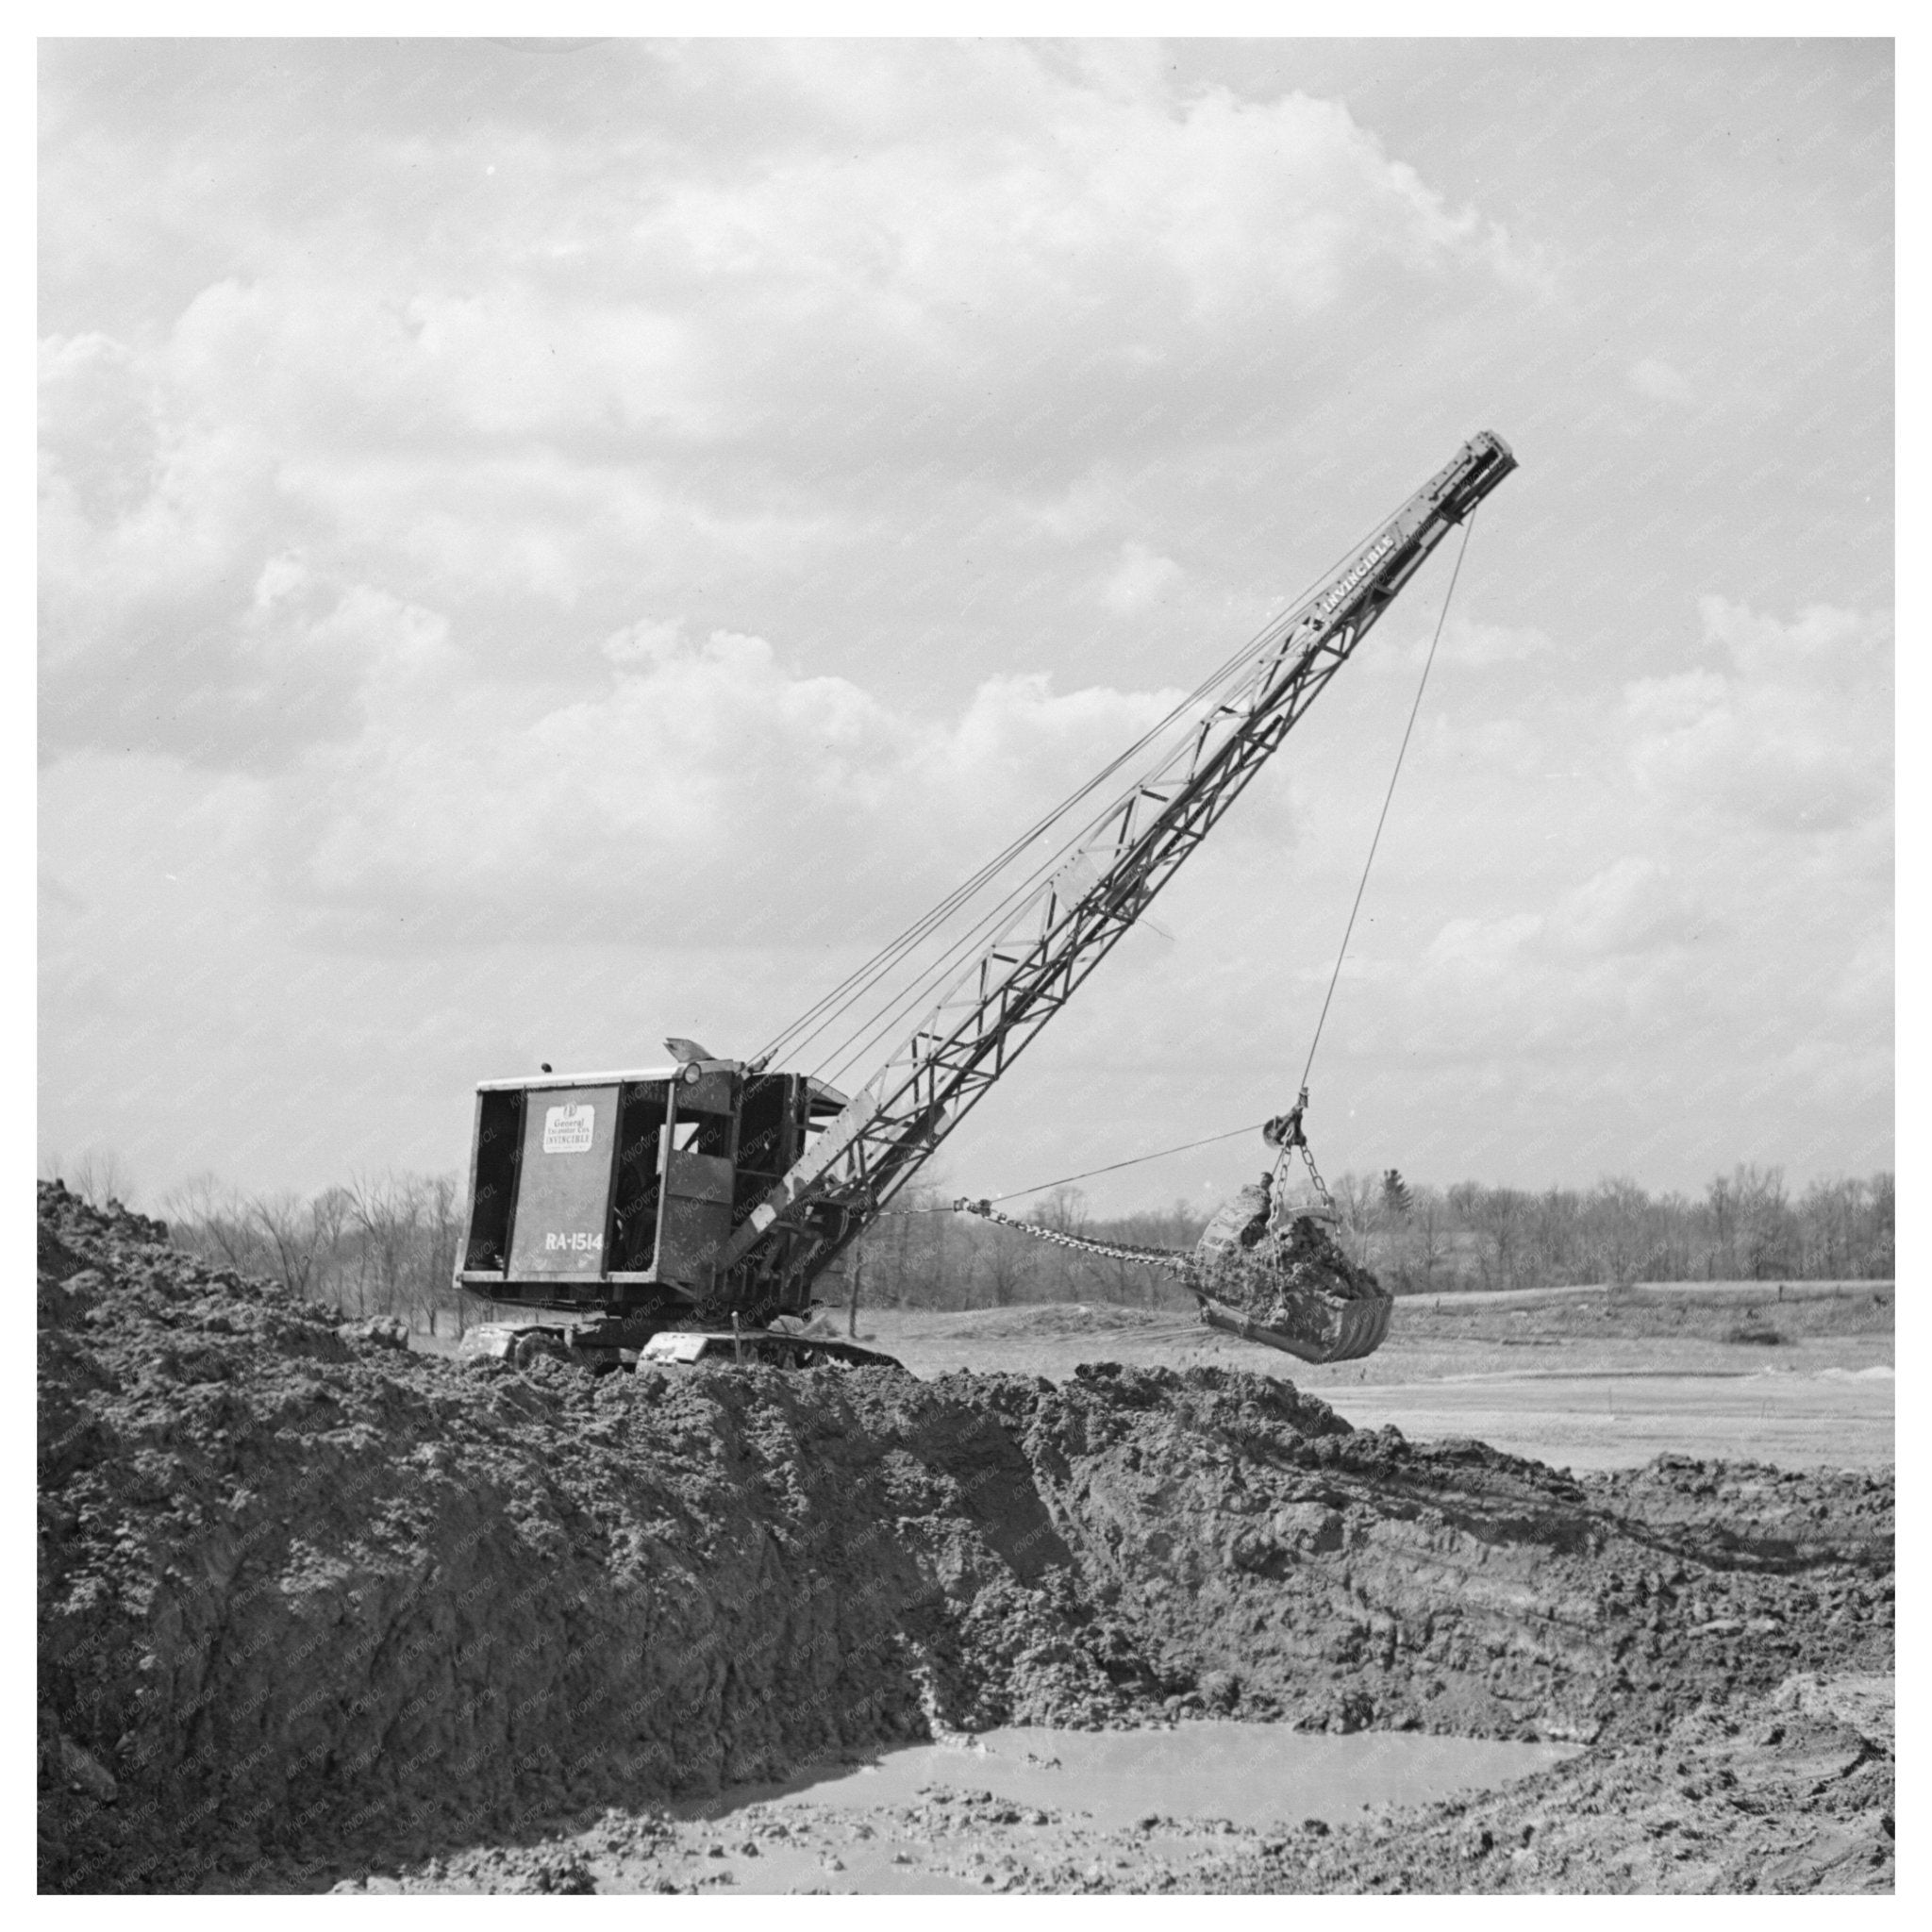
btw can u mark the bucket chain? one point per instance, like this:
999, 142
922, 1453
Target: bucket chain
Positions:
1170, 1259
1294, 1136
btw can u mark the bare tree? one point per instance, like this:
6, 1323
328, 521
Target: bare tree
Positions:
286, 1223
1500, 1216
1360, 1202
1007, 1260
206, 1218
387, 1212
101, 1175
1425, 1238
1615, 1214
1063, 1211
329, 1214
1125, 1281
443, 1228
1878, 1249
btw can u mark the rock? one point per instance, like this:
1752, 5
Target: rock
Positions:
85, 1773
384, 1331
1220, 1690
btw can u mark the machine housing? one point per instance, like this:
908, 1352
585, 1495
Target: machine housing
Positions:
611, 1192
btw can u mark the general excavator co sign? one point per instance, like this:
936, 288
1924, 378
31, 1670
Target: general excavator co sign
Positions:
569, 1129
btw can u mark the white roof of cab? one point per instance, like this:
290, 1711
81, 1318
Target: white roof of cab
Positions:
823, 1093
670, 1072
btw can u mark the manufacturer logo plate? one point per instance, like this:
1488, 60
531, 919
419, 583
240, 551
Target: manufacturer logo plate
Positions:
569, 1129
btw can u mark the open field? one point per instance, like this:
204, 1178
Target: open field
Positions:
1584, 1379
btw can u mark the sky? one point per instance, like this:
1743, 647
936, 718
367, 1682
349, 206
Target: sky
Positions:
546, 546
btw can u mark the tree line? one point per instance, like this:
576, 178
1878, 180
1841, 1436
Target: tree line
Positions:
1747, 1226
383, 1244
386, 1244
1419, 1239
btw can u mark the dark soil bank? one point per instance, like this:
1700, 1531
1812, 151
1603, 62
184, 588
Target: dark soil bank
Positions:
308, 1601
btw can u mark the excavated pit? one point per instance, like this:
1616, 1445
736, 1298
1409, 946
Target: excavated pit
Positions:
309, 1602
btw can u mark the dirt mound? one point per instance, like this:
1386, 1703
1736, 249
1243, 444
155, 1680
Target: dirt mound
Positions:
304, 1596
1787, 1791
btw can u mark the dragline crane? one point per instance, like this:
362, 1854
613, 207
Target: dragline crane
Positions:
716, 1190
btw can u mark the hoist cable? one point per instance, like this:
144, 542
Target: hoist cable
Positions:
899, 1006
1441, 619
898, 1009
863, 977
922, 927
935, 978
1388, 797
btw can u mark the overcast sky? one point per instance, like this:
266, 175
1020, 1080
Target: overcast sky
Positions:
542, 549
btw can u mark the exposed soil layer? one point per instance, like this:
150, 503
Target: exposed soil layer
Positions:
310, 1603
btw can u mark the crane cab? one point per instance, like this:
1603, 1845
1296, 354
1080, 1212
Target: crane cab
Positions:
611, 1192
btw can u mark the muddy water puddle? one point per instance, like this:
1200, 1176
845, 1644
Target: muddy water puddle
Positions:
905, 1821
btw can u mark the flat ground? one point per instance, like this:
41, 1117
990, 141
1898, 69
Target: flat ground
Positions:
1579, 1378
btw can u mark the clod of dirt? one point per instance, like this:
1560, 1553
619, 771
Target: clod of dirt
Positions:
308, 1599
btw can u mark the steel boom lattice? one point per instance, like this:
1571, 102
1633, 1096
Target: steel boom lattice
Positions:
1033, 965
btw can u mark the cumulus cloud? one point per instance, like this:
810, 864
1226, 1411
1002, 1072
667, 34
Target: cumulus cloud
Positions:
1864, 986
1715, 883
1139, 578
1479, 646
576, 509
1795, 731
949, 236
1659, 381
172, 614
1612, 959
1633, 904
1088, 506
919, 284
645, 642
1470, 644
708, 795
99, 442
